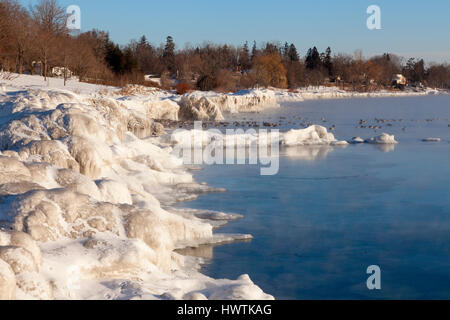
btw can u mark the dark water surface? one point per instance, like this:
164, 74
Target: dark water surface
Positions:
332, 212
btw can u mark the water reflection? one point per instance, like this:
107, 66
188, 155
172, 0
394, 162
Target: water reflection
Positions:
307, 153
385, 147
314, 153
206, 251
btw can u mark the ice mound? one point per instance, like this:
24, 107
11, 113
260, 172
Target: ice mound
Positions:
384, 138
357, 140
245, 101
313, 135
153, 108
73, 138
82, 191
20, 263
7, 282
194, 107
243, 287
212, 106
35, 100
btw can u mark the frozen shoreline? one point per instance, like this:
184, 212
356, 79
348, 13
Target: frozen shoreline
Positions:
82, 191
317, 93
83, 184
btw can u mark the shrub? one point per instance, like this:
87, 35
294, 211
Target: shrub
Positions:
183, 87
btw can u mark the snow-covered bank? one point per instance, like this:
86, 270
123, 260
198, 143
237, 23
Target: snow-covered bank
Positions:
85, 200
160, 104
321, 92
214, 106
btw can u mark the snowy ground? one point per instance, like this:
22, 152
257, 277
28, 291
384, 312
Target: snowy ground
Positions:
86, 191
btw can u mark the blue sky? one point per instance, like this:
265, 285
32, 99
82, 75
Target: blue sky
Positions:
409, 28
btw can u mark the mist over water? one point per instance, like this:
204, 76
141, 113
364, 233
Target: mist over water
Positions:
333, 211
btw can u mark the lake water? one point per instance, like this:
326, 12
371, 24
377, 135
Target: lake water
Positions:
333, 211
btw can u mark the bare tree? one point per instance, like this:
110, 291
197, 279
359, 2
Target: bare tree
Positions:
50, 23
50, 16
439, 76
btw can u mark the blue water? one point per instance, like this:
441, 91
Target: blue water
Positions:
332, 212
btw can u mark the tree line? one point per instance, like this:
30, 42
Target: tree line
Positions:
35, 40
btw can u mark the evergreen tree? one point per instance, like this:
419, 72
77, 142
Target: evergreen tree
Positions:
272, 48
419, 69
244, 58
169, 54
313, 59
114, 57
129, 61
327, 62
254, 51
143, 41
292, 53
414, 70
285, 50
245, 48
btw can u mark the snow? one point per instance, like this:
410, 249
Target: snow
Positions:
384, 138
86, 196
28, 82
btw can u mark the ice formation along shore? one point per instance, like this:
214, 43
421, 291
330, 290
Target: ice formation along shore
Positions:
85, 197
86, 192
313, 135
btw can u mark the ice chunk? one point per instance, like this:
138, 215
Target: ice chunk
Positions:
384, 138
244, 287
313, 135
20, 259
357, 140
194, 107
212, 106
432, 140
